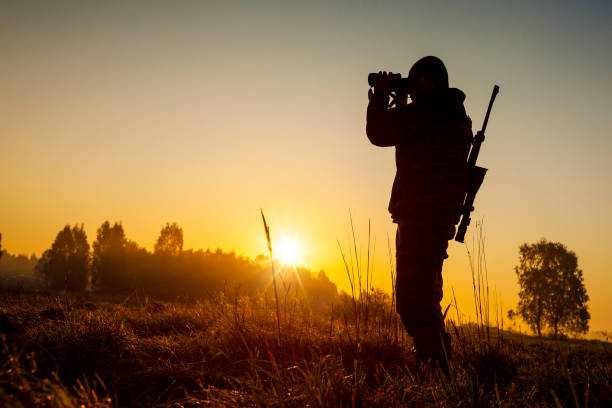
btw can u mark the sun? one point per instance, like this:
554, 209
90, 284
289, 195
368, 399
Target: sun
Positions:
288, 251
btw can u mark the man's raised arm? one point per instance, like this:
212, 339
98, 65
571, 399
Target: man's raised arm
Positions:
383, 124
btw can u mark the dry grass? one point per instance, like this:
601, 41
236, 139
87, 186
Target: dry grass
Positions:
60, 352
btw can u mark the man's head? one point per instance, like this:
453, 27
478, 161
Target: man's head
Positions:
427, 76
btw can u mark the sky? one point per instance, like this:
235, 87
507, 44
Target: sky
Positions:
201, 113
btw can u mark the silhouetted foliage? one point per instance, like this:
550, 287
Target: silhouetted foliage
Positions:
200, 274
17, 271
170, 241
66, 264
109, 258
552, 289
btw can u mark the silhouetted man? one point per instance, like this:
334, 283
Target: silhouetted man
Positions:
432, 136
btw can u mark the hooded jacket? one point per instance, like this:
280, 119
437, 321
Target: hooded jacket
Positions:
432, 140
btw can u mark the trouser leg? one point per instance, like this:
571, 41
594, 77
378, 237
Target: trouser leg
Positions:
419, 291
421, 250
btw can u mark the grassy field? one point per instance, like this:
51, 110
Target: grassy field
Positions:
94, 351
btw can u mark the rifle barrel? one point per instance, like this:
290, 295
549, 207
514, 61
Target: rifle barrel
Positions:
486, 119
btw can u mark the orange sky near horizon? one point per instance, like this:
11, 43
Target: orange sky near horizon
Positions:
201, 114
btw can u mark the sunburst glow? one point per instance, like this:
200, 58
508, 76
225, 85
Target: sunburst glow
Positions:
288, 252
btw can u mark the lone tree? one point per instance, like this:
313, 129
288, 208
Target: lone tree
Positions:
66, 264
170, 240
552, 289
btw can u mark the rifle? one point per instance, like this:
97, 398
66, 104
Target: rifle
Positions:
475, 176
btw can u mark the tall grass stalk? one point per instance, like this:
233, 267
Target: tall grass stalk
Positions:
370, 311
480, 281
393, 323
351, 277
267, 230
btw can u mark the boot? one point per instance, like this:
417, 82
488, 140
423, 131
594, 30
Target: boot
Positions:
433, 346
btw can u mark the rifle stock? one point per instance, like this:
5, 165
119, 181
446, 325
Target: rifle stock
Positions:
475, 176
475, 179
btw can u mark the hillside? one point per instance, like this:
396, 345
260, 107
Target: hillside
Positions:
63, 351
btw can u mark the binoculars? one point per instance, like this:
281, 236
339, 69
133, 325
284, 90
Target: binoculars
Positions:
397, 83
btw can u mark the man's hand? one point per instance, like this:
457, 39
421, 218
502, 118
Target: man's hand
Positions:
382, 82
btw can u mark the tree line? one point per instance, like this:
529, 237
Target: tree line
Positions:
17, 270
115, 264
